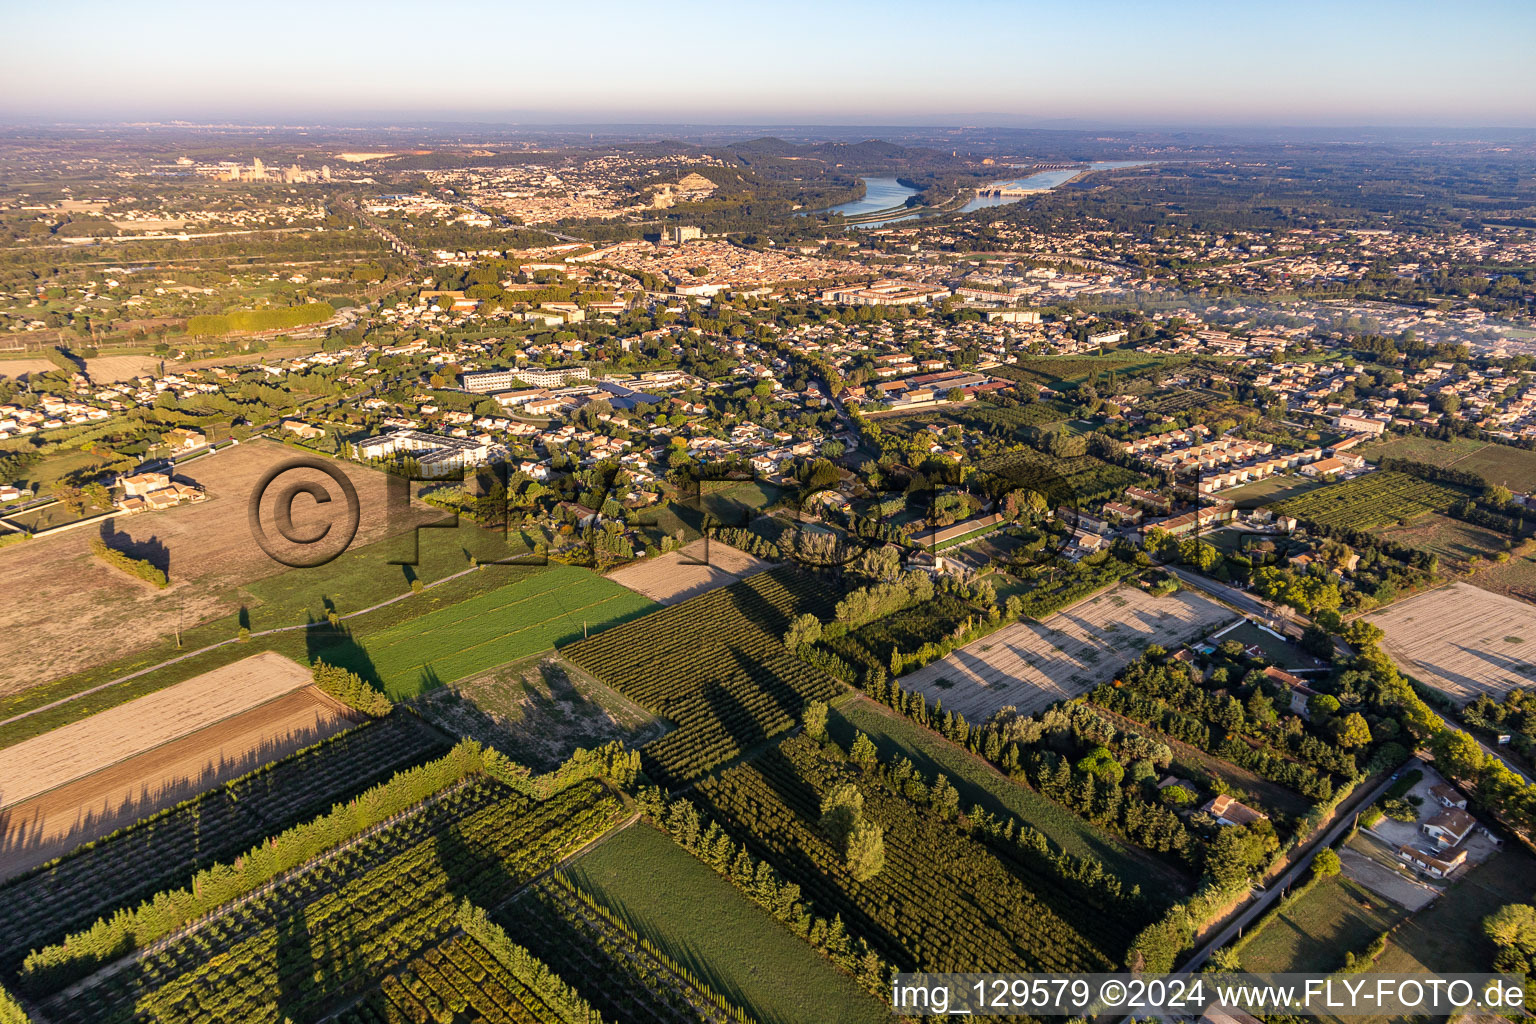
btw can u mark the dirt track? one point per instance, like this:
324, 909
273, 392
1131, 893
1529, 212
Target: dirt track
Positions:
44, 827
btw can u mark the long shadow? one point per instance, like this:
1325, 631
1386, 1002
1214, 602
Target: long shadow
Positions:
295, 958
1523, 669
151, 852
335, 645
150, 549
796, 864
472, 873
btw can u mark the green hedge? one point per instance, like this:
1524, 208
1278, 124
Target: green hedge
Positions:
351, 690
130, 565
127, 930
11, 1011
525, 967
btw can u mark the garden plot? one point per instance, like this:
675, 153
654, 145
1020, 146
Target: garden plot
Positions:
1031, 665
1463, 641
696, 569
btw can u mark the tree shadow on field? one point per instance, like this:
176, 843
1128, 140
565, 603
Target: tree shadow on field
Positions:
335, 645
151, 549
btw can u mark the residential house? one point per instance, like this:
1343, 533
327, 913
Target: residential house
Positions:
1450, 827
1228, 811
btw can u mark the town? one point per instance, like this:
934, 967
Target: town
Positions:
587, 572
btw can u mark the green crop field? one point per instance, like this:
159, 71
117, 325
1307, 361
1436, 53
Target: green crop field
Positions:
980, 783
1515, 468
538, 609
700, 920
1333, 918
1376, 499
1270, 490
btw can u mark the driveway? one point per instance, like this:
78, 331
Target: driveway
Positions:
1385, 882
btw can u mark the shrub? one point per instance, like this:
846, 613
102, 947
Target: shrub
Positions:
136, 567
351, 690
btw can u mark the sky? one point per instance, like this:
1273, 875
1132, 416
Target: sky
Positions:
965, 62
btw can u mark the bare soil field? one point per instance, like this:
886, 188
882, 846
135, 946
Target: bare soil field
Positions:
73, 751
79, 611
37, 830
678, 575
1031, 665
17, 367
107, 369
1453, 540
1463, 641
539, 711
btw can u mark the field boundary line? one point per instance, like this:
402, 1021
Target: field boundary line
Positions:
231, 640
225, 909
344, 712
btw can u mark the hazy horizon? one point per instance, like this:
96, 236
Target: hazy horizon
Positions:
1117, 66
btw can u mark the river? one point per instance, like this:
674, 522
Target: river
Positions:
1043, 181
879, 194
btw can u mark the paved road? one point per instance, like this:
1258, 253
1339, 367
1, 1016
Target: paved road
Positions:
1346, 817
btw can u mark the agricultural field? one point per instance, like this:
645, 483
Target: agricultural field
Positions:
979, 783
906, 630
341, 922
731, 503
74, 751
107, 369
945, 900
1371, 501
536, 609
1336, 916
716, 667
699, 920
1075, 481
620, 973
696, 569
1262, 493
1030, 665
1512, 467
53, 823
21, 367
163, 850
1451, 539
1463, 641
462, 977
998, 420
538, 711
99, 614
